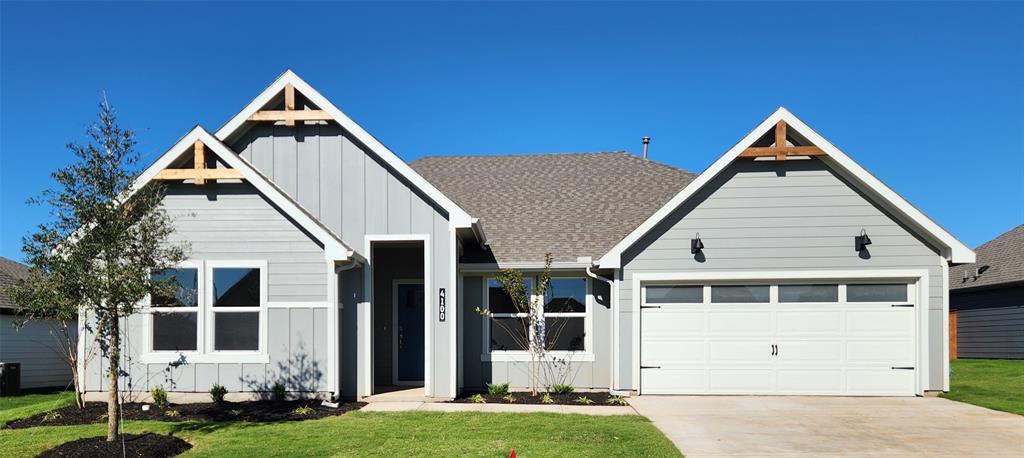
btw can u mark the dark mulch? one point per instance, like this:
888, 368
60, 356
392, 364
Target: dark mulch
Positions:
251, 411
599, 398
134, 445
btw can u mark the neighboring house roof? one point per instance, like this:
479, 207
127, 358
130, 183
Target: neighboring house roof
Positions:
572, 205
1000, 261
952, 249
10, 272
334, 247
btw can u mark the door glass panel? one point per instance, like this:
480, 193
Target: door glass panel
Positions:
876, 293
739, 294
808, 293
675, 294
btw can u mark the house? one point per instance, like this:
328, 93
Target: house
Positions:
322, 261
986, 301
36, 345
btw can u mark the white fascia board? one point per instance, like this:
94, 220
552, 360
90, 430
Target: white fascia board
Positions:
457, 216
957, 251
334, 248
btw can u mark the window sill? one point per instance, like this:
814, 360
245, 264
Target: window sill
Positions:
200, 358
523, 357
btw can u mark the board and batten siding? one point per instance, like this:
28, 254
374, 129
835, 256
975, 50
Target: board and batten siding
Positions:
355, 194
229, 222
990, 322
37, 347
777, 216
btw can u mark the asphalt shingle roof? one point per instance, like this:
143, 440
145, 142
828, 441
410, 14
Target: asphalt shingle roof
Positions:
10, 272
1001, 260
572, 204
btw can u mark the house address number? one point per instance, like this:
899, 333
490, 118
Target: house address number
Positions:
440, 304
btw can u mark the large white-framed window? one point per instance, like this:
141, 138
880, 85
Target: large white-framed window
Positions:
568, 307
175, 319
236, 294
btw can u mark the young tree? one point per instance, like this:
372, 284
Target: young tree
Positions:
104, 239
530, 333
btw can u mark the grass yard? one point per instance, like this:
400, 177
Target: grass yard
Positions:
387, 434
994, 383
13, 408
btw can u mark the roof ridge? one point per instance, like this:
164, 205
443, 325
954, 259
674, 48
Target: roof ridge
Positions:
998, 237
562, 153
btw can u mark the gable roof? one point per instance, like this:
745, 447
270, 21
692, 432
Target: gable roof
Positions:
952, 249
10, 272
334, 247
457, 216
572, 205
1000, 261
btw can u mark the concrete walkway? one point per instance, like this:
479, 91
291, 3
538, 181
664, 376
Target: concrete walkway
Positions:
799, 426
496, 408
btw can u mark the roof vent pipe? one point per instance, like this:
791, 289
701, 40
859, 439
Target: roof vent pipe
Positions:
647, 141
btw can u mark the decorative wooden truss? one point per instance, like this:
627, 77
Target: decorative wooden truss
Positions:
198, 173
289, 115
779, 150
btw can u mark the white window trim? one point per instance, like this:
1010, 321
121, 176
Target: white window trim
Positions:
204, 320
587, 355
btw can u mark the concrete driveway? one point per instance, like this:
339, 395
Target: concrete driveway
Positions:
832, 426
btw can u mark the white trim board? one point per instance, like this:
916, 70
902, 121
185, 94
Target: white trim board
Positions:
954, 250
335, 249
457, 215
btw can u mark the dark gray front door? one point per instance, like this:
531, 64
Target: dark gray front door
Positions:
410, 332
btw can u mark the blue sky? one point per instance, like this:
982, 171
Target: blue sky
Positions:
927, 96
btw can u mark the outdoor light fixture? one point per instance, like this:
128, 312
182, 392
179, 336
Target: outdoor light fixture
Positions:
696, 245
862, 241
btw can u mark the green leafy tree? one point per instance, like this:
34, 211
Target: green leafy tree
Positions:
103, 240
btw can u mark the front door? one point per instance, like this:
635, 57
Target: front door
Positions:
409, 332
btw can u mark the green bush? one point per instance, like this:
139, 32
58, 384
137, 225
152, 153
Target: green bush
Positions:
546, 399
584, 400
217, 393
562, 388
509, 398
617, 401
478, 399
497, 388
159, 395
278, 392
303, 411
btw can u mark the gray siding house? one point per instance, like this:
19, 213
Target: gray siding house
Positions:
986, 300
322, 261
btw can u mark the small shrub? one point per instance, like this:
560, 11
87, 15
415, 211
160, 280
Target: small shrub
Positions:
509, 398
616, 401
562, 388
217, 393
172, 413
303, 411
497, 388
278, 392
478, 399
51, 415
235, 412
159, 395
546, 399
584, 400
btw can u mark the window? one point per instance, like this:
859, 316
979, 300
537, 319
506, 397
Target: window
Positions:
236, 308
675, 294
565, 316
876, 293
808, 293
175, 310
739, 294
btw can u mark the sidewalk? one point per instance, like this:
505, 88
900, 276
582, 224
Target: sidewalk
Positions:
495, 408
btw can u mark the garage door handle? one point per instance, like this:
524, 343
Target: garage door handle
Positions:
904, 368
650, 367
650, 306
902, 305
775, 350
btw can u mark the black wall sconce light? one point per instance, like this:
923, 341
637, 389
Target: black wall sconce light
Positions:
861, 241
696, 245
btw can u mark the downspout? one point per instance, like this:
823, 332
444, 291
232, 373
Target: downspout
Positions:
612, 297
336, 383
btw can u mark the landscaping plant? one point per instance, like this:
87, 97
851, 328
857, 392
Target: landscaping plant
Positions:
278, 392
509, 398
159, 395
497, 388
562, 388
302, 411
584, 400
617, 401
478, 399
546, 399
217, 393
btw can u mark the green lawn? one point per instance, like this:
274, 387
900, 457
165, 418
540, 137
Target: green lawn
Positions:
387, 434
13, 408
994, 383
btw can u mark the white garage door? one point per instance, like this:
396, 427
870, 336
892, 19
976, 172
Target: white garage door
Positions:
819, 339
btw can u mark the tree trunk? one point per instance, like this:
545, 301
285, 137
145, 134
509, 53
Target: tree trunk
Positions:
113, 403
71, 347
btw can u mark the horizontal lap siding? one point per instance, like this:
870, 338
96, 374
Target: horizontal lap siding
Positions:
37, 347
990, 323
767, 215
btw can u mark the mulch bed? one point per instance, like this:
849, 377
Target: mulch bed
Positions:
599, 398
250, 411
134, 445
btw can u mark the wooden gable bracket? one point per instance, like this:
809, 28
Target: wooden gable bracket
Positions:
198, 173
289, 115
780, 151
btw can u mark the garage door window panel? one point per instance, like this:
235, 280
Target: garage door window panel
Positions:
740, 294
675, 294
876, 292
808, 293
